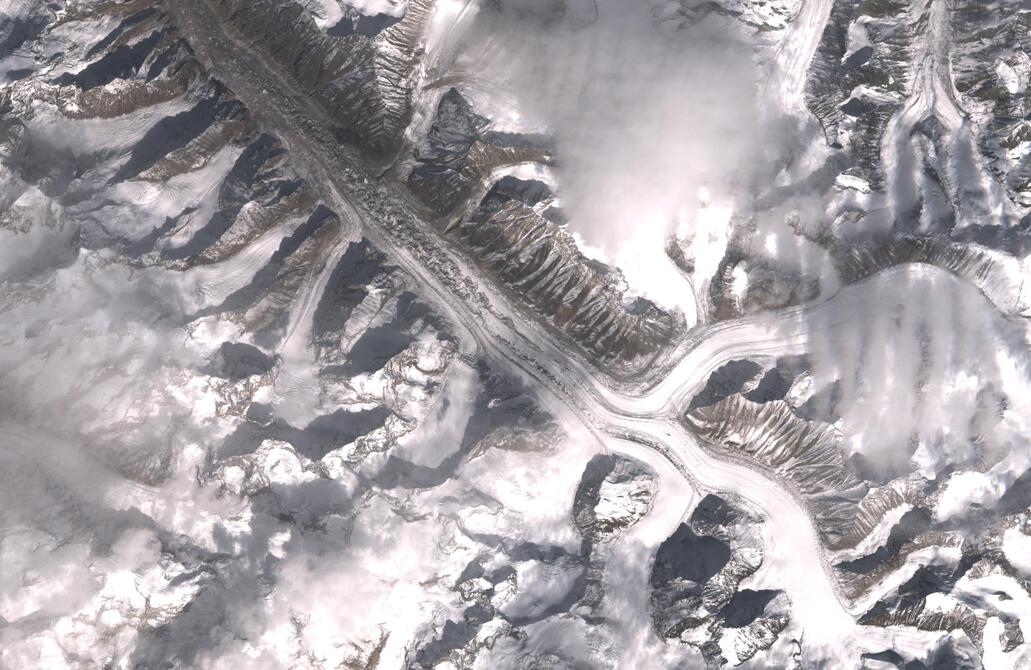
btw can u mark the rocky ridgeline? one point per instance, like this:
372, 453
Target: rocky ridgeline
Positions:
696, 597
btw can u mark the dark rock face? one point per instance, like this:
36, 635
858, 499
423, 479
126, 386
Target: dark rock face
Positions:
122, 62
458, 153
541, 262
360, 265
1017, 497
752, 414
912, 524
502, 405
746, 606
768, 285
321, 436
694, 582
626, 488
363, 84
509, 231
908, 604
685, 556
359, 77
319, 222
727, 380
777, 381
172, 133
588, 494
999, 109
17, 30
864, 91
367, 26
240, 360
947, 656
375, 347
254, 178
444, 172
837, 71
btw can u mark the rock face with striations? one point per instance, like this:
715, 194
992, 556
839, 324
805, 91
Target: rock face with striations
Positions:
364, 86
878, 524
362, 82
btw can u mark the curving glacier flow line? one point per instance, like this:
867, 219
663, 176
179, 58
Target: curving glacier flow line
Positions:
932, 98
793, 55
298, 383
643, 425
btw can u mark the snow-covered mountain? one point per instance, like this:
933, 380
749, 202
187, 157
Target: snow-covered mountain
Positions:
515, 334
